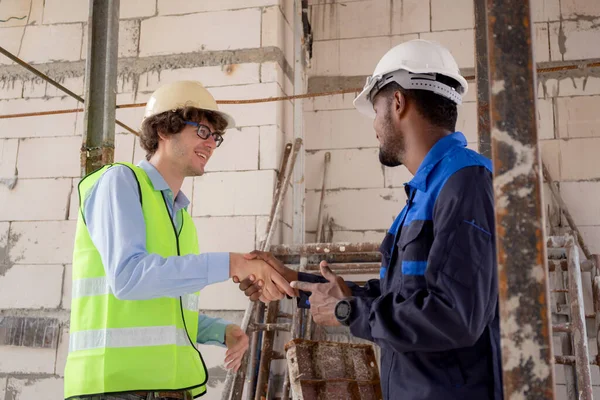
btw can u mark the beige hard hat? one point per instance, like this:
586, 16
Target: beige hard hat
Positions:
182, 94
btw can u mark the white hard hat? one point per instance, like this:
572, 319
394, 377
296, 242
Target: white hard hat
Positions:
414, 64
180, 94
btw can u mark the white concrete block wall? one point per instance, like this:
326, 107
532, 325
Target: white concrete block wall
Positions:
238, 49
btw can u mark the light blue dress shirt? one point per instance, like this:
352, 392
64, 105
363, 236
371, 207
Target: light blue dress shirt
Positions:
114, 218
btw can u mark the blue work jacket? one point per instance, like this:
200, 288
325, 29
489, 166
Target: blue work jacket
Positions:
434, 310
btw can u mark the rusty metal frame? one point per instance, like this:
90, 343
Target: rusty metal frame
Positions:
525, 327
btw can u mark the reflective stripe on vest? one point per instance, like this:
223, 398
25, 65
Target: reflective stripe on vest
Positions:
128, 337
99, 286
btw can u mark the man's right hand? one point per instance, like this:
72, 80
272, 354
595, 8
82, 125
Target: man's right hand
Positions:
253, 287
273, 284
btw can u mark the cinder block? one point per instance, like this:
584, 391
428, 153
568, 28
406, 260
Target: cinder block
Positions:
32, 332
226, 75
234, 193
337, 130
129, 36
44, 284
271, 147
276, 32
124, 147
37, 12
410, 16
327, 103
460, 43
11, 89
4, 233
326, 58
45, 43
545, 10
348, 20
584, 86
35, 200
26, 360
398, 39
62, 352
467, 121
338, 57
579, 158
74, 84
578, 8
348, 168
74, 200
35, 87
228, 31
239, 151
139, 153
396, 177
67, 287
572, 41
459, 15
580, 198
254, 114
11, 40
541, 44
8, 157
13, 13
357, 209
228, 234
261, 231
27, 388
272, 72
545, 111
49, 125
137, 9
3, 382
168, 7
60, 11
41, 242
550, 150
578, 116
49, 157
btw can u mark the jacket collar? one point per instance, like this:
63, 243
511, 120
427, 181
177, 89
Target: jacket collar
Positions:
159, 183
439, 150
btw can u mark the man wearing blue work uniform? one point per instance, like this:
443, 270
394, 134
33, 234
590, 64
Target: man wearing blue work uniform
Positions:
434, 310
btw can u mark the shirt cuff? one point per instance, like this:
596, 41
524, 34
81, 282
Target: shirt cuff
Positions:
218, 267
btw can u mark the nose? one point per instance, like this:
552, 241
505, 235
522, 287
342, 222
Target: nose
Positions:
211, 143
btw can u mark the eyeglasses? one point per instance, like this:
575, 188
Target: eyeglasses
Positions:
204, 132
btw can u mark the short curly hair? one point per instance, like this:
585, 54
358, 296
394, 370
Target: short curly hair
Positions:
173, 122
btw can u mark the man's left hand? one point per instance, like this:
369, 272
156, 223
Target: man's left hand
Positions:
325, 296
237, 343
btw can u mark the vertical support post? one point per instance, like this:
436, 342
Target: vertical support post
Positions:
579, 331
298, 181
527, 359
482, 75
100, 85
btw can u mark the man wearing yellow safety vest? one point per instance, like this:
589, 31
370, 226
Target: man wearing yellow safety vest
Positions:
137, 271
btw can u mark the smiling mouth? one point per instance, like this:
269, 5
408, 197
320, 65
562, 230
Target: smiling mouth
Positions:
202, 155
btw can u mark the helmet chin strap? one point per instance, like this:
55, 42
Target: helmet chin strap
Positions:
409, 80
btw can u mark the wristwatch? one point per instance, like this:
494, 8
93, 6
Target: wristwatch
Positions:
342, 312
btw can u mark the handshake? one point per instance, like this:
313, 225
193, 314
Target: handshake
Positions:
262, 276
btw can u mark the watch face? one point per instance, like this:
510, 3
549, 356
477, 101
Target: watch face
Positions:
342, 310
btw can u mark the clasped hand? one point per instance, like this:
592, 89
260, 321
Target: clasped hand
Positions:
323, 296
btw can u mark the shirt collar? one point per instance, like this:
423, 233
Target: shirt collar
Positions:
159, 183
434, 156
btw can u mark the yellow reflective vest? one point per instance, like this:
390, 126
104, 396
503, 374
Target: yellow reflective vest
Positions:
132, 345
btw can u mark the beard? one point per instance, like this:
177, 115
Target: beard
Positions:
391, 151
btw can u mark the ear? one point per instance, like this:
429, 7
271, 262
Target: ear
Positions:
399, 104
161, 136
